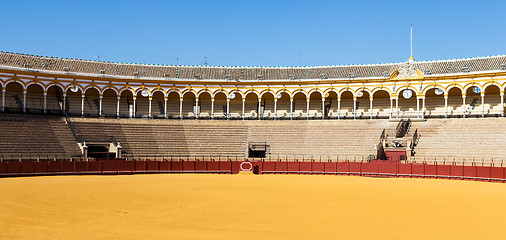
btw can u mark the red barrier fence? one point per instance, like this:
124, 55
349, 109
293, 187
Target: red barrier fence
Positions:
374, 168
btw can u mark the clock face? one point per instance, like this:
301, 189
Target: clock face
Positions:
407, 93
476, 90
439, 91
232, 95
360, 94
145, 93
74, 89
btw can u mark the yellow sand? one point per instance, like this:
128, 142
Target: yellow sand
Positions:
249, 207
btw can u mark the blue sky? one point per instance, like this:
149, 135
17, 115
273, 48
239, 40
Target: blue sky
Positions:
254, 33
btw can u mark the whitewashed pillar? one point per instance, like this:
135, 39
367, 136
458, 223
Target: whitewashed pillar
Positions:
259, 105
291, 108
44, 107
354, 107
502, 103
212, 108
117, 106
181, 107
135, 106
307, 108
3, 98
165, 99
323, 108
370, 106
464, 107
446, 105
228, 108
338, 107
243, 102
24, 99
83, 95
149, 107
275, 107
64, 102
482, 104
100, 97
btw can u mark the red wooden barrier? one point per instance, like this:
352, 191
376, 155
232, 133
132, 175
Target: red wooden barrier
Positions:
343, 167
3, 168
40, 167
80, 167
67, 167
418, 169
110, 167
152, 166
176, 166
470, 171
496, 173
140, 166
27, 167
188, 166
443, 170
200, 166
330, 167
225, 166
125, 166
293, 167
164, 166
371, 169
318, 167
388, 169
268, 167
54, 167
483, 172
236, 166
404, 170
305, 167
355, 167
280, 167
456, 171
430, 170
213, 166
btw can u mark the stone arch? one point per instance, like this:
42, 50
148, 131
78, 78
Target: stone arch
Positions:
330, 103
407, 106
381, 102
492, 101
126, 103
236, 105
205, 103
434, 103
346, 110
251, 104
299, 104
474, 105
189, 98
220, 104
400, 89
432, 87
471, 85
283, 104
74, 100
14, 96
173, 102
267, 91
34, 98
267, 105
91, 101
142, 103
315, 104
158, 104
363, 103
109, 102
455, 100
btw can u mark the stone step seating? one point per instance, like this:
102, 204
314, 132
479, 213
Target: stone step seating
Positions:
24, 135
461, 139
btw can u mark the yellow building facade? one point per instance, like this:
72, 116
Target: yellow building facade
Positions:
444, 88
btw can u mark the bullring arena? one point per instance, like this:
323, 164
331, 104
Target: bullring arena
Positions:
92, 149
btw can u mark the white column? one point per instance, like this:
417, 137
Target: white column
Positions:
243, 102
370, 106
45, 102
275, 107
397, 106
307, 107
464, 107
482, 104
391, 107
423, 108
82, 103
117, 106
446, 105
291, 108
228, 108
323, 108
212, 107
165, 99
100, 97
3, 99
149, 108
196, 111
338, 107
418, 106
259, 105
64, 102
354, 107
180, 107
24, 100
135, 105
502, 104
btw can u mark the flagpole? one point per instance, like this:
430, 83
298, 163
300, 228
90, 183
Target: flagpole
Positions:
411, 40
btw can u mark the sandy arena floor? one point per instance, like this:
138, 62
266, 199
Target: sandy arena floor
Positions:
249, 207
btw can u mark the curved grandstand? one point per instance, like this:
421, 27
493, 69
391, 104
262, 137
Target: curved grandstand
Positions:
404, 105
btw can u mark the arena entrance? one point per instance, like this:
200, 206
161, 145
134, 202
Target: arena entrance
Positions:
258, 149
